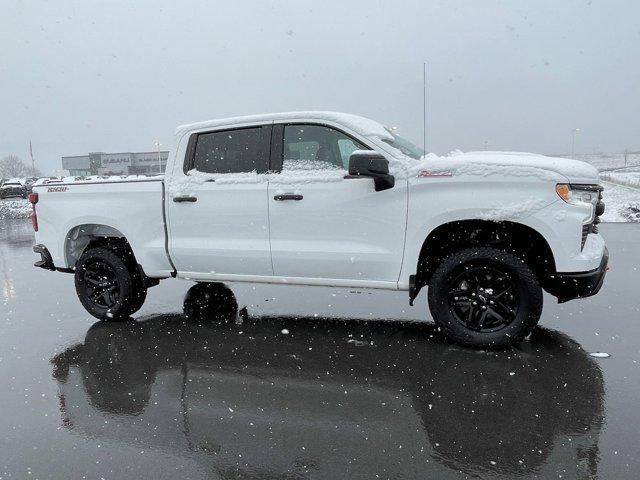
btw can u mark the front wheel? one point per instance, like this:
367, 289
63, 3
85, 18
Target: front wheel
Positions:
107, 288
485, 297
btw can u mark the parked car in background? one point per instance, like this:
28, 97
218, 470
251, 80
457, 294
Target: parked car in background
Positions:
28, 183
13, 187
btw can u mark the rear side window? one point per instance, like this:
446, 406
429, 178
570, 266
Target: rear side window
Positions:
231, 151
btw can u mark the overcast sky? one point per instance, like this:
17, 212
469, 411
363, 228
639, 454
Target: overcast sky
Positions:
512, 75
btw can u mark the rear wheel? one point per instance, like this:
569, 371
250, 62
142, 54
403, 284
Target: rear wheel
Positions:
107, 287
485, 297
210, 301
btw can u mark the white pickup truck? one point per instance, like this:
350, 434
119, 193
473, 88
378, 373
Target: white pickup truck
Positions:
323, 198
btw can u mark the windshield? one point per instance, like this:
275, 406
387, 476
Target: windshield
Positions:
405, 146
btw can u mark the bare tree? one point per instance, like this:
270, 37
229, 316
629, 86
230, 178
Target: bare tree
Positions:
12, 166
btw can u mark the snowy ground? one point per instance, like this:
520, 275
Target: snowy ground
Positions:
621, 194
620, 177
14, 208
622, 203
628, 177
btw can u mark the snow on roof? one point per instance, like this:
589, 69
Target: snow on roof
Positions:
361, 125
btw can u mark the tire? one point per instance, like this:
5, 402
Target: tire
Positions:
485, 297
140, 294
210, 301
107, 287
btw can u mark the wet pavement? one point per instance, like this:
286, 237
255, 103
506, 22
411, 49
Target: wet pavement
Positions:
292, 383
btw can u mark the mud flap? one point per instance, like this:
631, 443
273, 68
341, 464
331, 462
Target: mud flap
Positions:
414, 289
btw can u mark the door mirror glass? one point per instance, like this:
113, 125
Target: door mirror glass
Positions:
367, 163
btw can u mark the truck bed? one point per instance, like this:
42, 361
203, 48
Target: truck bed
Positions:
131, 206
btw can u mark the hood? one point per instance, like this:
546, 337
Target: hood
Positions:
575, 171
513, 164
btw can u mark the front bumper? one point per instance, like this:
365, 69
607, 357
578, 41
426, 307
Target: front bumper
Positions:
569, 286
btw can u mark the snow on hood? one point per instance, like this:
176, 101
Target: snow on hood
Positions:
518, 164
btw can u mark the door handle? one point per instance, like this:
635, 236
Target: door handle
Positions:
184, 199
288, 196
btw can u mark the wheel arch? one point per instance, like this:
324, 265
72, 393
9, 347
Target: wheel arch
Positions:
514, 237
80, 237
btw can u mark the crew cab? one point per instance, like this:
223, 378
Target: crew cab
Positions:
13, 188
332, 199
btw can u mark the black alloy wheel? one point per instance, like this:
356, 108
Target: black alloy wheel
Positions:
108, 284
101, 284
484, 298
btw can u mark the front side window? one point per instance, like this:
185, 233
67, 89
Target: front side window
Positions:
317, 147
229, 151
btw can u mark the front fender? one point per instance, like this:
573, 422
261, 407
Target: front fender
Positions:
440, 201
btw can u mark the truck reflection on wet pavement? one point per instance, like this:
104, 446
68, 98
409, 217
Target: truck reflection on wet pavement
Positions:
382, 400
306, 383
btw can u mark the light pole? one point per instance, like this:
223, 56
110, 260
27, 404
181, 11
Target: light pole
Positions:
574, 132
158, 145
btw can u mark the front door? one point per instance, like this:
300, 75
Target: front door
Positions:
325, 224
217, 207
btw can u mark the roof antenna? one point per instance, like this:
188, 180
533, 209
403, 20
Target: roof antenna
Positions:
424, 107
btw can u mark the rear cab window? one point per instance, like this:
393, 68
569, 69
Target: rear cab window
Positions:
237, 150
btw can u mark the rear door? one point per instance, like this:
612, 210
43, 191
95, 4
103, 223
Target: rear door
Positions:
217, 205
326, 225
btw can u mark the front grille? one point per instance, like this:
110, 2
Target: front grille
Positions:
593, 226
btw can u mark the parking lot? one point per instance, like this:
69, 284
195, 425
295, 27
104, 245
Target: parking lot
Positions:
301, 382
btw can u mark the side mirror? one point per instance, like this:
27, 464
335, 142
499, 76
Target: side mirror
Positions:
367, 163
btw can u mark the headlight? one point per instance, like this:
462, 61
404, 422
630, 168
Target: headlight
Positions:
583, 196
578, 195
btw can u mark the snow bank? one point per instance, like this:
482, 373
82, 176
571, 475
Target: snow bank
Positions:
14, 209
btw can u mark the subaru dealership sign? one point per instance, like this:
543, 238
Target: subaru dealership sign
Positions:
116, 161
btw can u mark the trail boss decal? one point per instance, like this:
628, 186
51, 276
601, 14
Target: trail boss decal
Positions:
427, 173
56, 189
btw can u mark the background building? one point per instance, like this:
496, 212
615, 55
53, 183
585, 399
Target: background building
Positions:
125, 163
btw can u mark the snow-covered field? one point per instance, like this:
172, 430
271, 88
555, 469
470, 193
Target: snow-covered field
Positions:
622, 203
14, 208
620, 176
605, 161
